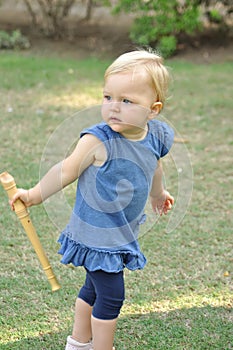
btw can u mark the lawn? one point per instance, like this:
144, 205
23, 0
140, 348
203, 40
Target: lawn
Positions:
183, 299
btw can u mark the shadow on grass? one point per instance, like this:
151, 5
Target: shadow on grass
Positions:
195, 328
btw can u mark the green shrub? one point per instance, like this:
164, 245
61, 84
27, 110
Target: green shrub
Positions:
215, 16
161, 22
13, 41
167, 45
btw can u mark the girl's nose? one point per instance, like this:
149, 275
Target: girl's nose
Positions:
115, 106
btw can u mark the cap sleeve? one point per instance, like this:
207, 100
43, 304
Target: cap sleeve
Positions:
163, 137
98, 130
168, 139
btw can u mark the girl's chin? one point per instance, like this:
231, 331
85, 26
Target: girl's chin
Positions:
129, 133
117, 127
122, 129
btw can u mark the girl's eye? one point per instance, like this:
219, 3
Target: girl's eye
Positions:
107, 97
125, 100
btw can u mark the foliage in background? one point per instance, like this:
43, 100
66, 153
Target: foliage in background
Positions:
50, 15
219, 11
15, 40
160, 22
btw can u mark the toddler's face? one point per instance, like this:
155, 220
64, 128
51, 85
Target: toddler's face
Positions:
127, 101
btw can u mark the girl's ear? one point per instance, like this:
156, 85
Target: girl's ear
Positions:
155, 109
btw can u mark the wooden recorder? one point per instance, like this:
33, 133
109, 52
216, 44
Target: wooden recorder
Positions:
21, 211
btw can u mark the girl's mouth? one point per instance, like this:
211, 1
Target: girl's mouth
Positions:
114, 120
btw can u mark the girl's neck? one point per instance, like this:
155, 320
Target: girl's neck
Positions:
136, 136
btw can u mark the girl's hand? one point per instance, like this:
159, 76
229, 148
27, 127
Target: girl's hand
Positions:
23, 195
163, 203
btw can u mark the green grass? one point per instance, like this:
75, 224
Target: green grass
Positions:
183, 298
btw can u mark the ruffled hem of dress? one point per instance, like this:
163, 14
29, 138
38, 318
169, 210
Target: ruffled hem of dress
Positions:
97, 259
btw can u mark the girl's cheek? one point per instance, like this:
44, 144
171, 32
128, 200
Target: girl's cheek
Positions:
104, 111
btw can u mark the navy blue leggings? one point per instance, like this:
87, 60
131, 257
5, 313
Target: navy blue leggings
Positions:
105, 292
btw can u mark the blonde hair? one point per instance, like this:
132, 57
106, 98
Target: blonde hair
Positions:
151, 63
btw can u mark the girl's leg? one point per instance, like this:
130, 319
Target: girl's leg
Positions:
82, 321
83, 309
103, 333
110, 295
105, 291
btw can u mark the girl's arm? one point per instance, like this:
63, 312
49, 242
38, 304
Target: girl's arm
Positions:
161, 200
89, 150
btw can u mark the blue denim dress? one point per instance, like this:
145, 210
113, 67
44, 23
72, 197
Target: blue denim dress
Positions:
110, 200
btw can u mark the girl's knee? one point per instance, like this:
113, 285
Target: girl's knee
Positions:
107, 307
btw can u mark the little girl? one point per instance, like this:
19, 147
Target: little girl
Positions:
117, 163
